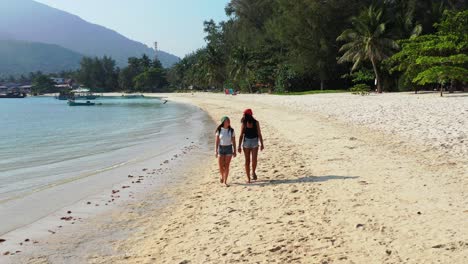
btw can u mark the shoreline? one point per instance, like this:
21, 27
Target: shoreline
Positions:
327, 191
101, 193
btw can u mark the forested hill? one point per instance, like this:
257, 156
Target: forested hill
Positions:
32, 21
20, 57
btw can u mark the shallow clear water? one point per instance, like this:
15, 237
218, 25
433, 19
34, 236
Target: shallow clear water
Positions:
44, 142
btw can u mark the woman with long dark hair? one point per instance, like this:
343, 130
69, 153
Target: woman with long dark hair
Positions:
249, 139
225, 148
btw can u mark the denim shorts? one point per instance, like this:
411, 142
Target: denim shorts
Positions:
250, 143
225, 150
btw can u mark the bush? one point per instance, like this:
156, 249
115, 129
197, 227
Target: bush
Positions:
361, 89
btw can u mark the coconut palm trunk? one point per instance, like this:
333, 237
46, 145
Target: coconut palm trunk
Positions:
377, 76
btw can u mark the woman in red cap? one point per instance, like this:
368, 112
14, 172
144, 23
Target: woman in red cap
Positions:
249, 139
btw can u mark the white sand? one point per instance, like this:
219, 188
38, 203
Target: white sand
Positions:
428, 119
343, 179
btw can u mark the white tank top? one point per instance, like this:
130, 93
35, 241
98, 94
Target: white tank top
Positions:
225, 136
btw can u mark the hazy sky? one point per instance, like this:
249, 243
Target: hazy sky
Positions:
177, 25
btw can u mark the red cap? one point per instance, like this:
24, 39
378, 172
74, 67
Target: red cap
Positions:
248, 112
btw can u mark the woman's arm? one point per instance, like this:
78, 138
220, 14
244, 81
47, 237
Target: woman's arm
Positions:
234, 145
241, 138
217, 144
259, 131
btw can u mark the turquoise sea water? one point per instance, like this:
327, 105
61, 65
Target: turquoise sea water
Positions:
44, 142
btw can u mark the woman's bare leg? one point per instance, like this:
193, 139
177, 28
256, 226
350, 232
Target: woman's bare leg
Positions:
221, 167
247, 163
227, 163
254, 162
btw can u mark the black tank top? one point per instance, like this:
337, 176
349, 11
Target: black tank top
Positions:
251, 132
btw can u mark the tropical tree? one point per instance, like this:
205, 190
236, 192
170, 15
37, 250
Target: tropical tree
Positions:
241, 66
42, 84
437, 59
367, 40
151, 80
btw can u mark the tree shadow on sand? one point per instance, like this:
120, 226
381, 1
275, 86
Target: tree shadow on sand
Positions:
308, 179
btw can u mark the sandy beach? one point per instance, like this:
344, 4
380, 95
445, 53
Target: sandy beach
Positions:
343, 179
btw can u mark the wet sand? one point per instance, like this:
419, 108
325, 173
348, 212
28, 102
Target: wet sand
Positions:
330, 190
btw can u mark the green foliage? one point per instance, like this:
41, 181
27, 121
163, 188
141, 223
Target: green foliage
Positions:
285, 45
141, 75
151, 80
367, 40
98, 73
362, 75
438, 58
42, 84
361, 89
441, 75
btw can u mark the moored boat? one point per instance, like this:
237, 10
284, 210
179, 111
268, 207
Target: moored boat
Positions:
13, 95
87, 103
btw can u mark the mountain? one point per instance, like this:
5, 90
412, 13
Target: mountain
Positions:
32, 21
20, 57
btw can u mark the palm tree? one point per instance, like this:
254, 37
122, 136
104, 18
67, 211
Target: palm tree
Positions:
367, 40
241, 65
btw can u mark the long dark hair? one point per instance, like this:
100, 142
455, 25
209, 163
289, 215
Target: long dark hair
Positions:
218, 130
248, 119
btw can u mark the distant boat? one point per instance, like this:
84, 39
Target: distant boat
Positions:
87, 103
86, 97
13, 95
63, 96
84, 94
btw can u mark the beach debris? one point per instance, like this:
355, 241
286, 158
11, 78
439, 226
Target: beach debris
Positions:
125, 187
185, 262
88, 203
419, 213
69, 212
130, 176
294, 191
2, 240
52, 232
359, 226
145, 169
166, 161
67, 218
6, 253
352, 138
275, 249
388, 251
26, 240
115, 191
